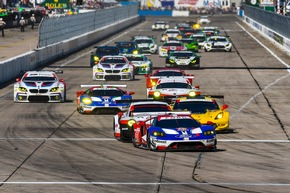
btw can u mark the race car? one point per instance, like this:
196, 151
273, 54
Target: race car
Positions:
146, 44
205, 109
171, 34
142, 65
101, 51
185, 58
218, 43
152, 79
211, 28
128, 47
200, 38
190, 44
204, 19
40, 86
138, 111
175, 132
102, 98
186, 33
170, 46
172, 87
160, 25
209, 33
113, 67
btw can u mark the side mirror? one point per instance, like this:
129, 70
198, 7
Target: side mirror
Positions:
18, 79
61, 80
131, 93
120, 114
224, 107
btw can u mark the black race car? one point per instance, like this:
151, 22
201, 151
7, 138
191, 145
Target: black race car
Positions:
102, 51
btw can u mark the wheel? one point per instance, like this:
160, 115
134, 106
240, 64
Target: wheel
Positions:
80, 110
205, 50
149, 144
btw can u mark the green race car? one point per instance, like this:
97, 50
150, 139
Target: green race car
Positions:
142, 65
190, 43
184, 58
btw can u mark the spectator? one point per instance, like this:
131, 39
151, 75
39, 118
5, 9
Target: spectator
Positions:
32, 20
2, 25
22, 24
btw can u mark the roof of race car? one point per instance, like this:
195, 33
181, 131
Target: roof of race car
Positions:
40, 73
195, 99
172, 79
169, 70
142, 37
149, 103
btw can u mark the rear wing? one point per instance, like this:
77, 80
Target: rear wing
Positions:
151, 81
154, 114
102, 85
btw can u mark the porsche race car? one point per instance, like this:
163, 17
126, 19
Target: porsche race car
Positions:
175, 132
187, 59
40, 86
142, 65
170, 46
218, 43
102, 98
113, 67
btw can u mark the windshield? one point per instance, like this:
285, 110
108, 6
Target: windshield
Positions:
38, 78
173, 85
177, 123
144, 41
110, 60
107, 51
187, 54
150, 108
135, 58
168, 73
126, 45
97, 93
218, 39
172, 44
196, 106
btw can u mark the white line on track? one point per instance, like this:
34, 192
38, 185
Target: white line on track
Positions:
148, 183
113, 139
107, 42
269, 85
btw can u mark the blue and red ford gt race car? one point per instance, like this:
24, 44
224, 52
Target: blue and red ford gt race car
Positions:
102, 99
174, 132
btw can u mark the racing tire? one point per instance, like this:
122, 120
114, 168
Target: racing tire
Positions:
80, 110
205, 50
149, 145
230, 50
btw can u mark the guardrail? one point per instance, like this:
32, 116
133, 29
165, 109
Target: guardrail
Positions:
9, 69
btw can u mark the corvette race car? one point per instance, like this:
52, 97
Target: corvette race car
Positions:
137, 111
182, 59
170, 46
102, 98
152, 79
173, 132
190, 44
160, 25
40, 86
146, 44
172, 87
128, 47
101, 51
205, 109
171, 34
113, 67
217, 43
142, 65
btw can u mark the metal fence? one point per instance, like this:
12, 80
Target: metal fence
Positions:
271, 20
53, 30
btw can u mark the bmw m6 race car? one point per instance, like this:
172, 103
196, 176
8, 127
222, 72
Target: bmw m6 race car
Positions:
152, 79
218, 43
113, 67
101, 51
137, 111
173, 132
182, 59
172, 87
160, 25
40, 86
102, 98
205, 109
170, 46
128, 47
142, 65
171, 34
146, 44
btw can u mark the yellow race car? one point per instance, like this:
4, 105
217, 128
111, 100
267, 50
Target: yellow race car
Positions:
206, 110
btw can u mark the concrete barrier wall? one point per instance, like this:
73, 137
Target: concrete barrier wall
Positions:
10, 69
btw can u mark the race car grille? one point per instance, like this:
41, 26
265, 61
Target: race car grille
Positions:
187, 145
112, 71
38, 98
218, 47
38, 90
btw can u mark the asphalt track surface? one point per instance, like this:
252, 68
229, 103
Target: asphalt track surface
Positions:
52, 148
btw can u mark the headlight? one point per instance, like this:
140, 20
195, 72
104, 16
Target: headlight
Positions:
22, 89
209, 132
192, 94
100, 70
96, 58
54, 89
193, 61
158, 133
131, 122
219, 116
208, 45
144, 66
171, 61
126, 70
157, 94
135, 52
153, 26
87, 101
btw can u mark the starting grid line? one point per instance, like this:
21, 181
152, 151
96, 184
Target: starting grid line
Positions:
149, 183
113, 139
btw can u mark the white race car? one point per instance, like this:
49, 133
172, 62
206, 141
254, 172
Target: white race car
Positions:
113, 67
160, 25
171, 34
203, 20
146, 44
218, 43
40, 86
